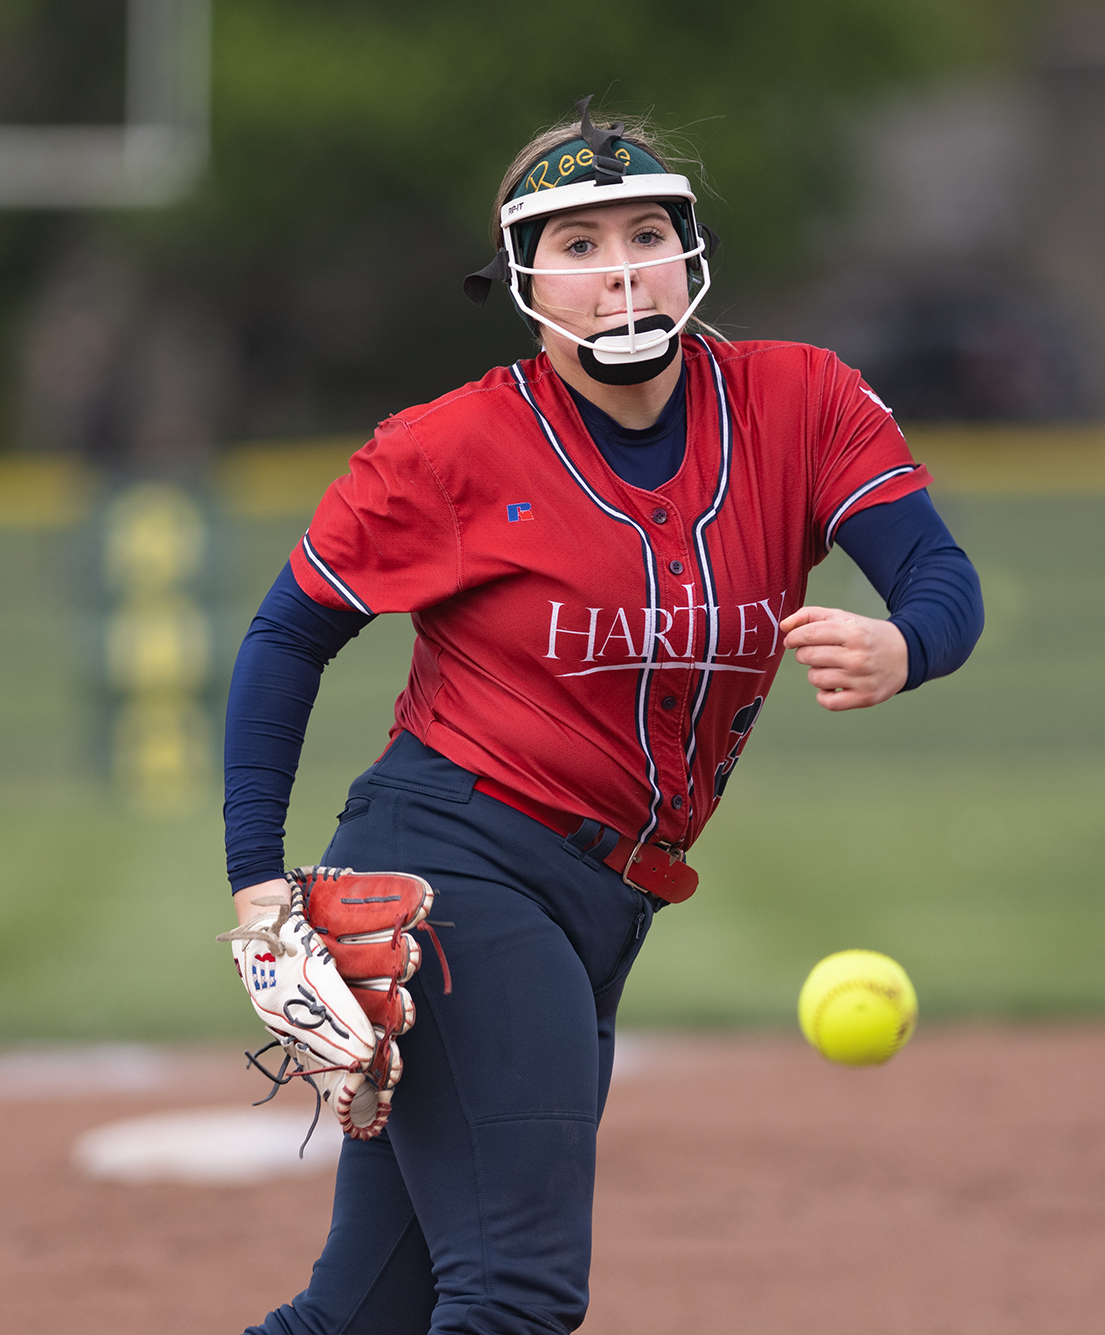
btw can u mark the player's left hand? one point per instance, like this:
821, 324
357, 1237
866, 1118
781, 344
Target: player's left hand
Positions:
854, 661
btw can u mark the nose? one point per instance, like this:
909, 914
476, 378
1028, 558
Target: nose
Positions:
626, 275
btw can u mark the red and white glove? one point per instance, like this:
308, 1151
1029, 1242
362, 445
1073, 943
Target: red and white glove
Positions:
326, 975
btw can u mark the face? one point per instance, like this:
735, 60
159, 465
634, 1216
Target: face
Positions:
607, 234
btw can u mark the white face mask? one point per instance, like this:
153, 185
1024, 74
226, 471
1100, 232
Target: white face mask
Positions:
640, 349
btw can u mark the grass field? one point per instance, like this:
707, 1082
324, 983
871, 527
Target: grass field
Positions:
958, 828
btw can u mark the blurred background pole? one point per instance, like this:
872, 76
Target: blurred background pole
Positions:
159, 152
151, 538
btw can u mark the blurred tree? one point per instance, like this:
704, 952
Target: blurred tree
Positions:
357, 147
350, 104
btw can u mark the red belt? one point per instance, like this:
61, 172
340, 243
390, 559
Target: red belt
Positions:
649, 867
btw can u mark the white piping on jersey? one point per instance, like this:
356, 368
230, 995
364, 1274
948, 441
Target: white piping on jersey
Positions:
863, 389
674, 663
328, 575
842, 509
725, 430
653, 588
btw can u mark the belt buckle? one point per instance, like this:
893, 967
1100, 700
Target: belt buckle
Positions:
632, 859
674, 854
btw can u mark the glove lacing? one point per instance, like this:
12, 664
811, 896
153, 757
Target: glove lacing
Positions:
270, 935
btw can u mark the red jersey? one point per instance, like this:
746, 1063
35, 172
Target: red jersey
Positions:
591, 646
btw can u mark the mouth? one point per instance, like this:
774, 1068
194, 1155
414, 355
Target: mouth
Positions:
639, 313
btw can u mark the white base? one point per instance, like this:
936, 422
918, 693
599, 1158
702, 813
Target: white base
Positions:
209, 1146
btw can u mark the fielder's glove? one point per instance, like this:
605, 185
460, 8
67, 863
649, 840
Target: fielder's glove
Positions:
340, 1040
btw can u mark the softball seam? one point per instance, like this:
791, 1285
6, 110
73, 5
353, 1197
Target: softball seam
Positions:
892, 994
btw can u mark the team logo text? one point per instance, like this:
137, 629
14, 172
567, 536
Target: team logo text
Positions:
685, 635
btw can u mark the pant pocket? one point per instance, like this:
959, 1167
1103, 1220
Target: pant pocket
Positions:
354, 807
634, 939
367, 837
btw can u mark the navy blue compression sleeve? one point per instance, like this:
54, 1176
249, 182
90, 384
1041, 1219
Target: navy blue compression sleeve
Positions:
929, 586
276, 679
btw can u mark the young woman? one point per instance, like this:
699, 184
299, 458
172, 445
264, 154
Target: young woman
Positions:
604, 550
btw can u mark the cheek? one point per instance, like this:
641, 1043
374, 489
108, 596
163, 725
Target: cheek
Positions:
670, 287
564, 293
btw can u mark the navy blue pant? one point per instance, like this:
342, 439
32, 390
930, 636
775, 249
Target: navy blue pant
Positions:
472, 1213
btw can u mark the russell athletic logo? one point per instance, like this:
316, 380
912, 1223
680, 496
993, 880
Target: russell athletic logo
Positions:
667, 638
522, 510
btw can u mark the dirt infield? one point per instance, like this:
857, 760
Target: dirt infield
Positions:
745, 1188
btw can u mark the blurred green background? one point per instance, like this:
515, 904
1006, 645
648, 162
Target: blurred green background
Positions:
311, 284
312, 281
957, 828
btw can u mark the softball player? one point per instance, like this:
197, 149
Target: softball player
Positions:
604, 550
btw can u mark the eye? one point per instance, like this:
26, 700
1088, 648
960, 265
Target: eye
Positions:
651, 236
582, 245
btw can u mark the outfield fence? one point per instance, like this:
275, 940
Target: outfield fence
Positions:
957, 827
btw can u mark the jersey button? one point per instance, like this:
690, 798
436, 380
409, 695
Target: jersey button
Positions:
676, 567
659, 516
669, 702
677, 802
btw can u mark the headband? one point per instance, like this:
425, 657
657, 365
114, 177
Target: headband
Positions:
602, 156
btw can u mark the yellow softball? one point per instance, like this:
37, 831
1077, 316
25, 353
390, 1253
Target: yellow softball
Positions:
857, 1007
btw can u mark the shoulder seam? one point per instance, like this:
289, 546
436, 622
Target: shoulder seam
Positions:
445, 496
450, 399
757, 352
822, 537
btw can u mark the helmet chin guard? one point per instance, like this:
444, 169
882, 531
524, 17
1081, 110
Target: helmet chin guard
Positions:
599, 167
612, 363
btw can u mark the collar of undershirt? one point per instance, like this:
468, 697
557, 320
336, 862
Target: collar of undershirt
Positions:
602, 424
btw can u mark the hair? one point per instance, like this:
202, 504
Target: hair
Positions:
641, 131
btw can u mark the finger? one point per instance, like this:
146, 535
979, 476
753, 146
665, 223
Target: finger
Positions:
804, 615
801, 618
821, 655
819, 632
828, 656
832, 636
831, 679
839, 700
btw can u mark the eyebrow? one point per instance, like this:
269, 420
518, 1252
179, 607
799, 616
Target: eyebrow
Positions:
657, 211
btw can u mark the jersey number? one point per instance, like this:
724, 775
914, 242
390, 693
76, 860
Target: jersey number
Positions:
743, 722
